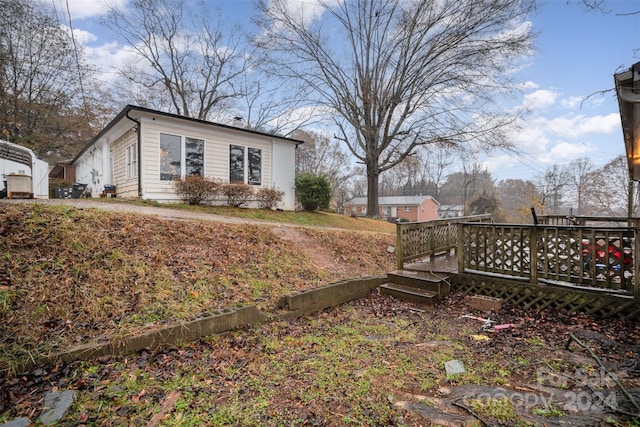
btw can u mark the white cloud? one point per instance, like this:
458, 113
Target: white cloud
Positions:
540, 99
307, 10
81, 9
529, 85
110, 57
580, 125
572, 102
566, 151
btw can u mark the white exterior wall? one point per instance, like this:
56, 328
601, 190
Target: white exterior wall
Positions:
106, 158
284, 172
93, 168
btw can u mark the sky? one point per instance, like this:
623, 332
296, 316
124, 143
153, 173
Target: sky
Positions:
567, 84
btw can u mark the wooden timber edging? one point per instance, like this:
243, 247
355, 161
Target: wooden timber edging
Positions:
218, 321
544, 296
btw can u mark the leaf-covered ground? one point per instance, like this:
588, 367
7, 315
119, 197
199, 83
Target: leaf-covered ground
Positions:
77, 275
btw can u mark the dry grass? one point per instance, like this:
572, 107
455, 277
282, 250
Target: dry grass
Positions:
84, 275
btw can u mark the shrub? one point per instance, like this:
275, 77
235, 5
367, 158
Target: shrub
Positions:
313, 191
196, 189
268, 198
237, 194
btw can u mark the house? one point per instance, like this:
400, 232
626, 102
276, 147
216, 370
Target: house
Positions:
19, 167
412, 208
628, 93
141, 151
450, 211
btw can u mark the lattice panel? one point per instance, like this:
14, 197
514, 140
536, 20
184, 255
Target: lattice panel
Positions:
542, 297
497, 249
425, 239
589, 257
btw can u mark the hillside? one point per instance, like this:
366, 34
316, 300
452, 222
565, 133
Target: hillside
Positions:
79, 275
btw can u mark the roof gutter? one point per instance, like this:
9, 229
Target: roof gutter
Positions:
139, 150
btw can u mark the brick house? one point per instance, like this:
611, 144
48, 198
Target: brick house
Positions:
412, 208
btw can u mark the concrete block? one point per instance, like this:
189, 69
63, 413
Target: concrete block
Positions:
454, 367
484, 303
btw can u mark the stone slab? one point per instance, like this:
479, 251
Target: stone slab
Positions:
56, 405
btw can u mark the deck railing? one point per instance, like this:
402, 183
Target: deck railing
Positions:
601, 257
427, 239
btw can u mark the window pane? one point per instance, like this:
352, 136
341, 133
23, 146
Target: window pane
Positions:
255, 166
194, 156
236, 163
170, 157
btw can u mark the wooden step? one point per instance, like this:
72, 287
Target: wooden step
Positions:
405, 293
422, 280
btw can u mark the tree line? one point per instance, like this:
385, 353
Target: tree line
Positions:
575, 188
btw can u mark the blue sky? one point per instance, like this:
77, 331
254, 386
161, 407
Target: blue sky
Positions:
577, 54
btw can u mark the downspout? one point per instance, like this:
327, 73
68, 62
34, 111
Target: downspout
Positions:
139, 153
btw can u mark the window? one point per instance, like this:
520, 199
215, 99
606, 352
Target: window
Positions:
194, 158
131, 159
386, 210
170, 157
245, 162
173, 164
255, 166
364, 210
407, 209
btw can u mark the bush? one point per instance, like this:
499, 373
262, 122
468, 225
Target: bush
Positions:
237, 194
313, 191
196, 189
268, 198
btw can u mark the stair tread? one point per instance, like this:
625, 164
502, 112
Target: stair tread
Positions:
410, 290
420, 275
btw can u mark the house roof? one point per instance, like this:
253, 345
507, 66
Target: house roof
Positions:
393, 200
124, 113
628, 92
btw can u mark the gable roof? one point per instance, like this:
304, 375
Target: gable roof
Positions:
393, 201
129, 108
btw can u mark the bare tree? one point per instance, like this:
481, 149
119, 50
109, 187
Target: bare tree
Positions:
42, 101
581, 173
438, 161
610, 188
185, 53
400, 75
551, 186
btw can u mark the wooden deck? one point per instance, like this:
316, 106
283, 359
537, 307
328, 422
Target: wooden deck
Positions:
588, 266
447, 264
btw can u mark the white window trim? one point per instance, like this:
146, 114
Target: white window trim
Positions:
131, 165
245, 172
183, 154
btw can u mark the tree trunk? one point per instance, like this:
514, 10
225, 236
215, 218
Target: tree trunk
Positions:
372, 190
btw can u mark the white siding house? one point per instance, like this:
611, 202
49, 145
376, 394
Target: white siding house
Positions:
142, 150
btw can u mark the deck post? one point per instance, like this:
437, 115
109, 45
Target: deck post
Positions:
636, 263
461, 249
533, 254
399, 250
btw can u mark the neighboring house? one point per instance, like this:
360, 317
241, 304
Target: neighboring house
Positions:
26, 171
412, 208
142, 150
450, 211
